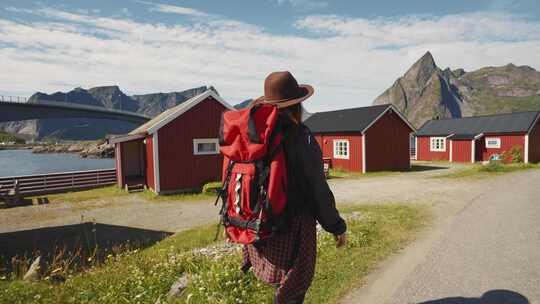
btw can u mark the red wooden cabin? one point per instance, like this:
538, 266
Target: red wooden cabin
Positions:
364, 139
472, 139
176, 151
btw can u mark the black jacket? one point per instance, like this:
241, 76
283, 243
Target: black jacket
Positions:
308, 189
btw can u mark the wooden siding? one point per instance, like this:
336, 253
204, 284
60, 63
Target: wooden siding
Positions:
423, 149
150, 162
388, 144
354, 163
179, 168
534, 144
507, 142
461, 151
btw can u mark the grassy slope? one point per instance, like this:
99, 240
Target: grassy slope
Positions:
6, 137
481, 171
145, 276
113, 191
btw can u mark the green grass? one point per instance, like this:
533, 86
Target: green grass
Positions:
188, 196
484, 171
86, 195
113, 191
145, 276
343, 173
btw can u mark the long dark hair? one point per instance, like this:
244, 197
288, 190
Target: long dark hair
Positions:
290, 119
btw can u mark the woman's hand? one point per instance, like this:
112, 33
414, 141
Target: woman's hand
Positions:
341, 240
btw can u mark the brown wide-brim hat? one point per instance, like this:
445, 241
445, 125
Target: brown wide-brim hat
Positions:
282, 89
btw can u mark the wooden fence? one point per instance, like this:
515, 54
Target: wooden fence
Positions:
58, 182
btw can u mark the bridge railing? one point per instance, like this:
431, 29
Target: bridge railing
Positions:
19, 99
58, 182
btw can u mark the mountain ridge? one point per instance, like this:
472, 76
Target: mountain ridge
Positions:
109, 97
425, 91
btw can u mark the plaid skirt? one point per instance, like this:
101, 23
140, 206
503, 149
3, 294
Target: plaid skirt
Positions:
287, 260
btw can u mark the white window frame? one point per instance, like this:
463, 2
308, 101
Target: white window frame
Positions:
432, 146
197, 141
496, 146
347, 150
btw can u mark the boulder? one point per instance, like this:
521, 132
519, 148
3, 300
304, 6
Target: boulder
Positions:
178, 287
33, 272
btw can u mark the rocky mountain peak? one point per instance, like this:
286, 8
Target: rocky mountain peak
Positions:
422, 69
425, 91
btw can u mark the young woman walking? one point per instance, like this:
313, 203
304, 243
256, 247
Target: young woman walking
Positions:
288, 259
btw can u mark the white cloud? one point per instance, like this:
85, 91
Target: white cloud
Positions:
349, 65
174, 9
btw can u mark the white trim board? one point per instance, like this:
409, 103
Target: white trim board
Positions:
451, 157
415, 148
534, 123
186, 106
526, 152
155, 156
473, 150
364, 153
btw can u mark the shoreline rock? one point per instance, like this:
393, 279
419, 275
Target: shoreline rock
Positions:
84, 149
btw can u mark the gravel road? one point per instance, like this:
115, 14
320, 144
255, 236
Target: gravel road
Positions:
484, 249
174, 216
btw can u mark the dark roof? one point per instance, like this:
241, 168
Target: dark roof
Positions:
462, 136
347, 120
519, 122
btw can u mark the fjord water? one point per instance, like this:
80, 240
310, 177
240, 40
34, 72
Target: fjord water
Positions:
24, 162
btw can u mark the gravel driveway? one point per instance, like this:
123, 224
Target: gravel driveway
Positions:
174, 216
484, 248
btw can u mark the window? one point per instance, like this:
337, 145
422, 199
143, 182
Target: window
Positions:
205, 146
438, 144
493, 142
341, 148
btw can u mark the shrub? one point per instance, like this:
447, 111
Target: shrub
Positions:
514, 156
211, 188
493, 166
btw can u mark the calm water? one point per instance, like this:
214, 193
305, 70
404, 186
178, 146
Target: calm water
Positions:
24, 162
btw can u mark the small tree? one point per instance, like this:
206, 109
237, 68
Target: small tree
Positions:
514, 155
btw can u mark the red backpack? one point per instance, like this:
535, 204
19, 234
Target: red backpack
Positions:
254, 174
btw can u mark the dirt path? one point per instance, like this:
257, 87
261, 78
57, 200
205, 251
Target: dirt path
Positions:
135, 211
485, 237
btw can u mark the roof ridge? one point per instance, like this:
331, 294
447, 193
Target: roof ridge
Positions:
488, 115
356, 108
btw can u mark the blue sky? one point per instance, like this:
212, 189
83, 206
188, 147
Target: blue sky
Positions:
349, 50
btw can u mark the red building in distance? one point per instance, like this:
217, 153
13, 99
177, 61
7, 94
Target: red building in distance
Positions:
472, 139
364, 139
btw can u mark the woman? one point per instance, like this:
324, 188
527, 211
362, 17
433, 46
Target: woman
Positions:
288, 259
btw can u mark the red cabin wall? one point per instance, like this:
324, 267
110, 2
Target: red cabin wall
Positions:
461, 151
388, 144
534, 143
150, 162
508, 141
179, 168
354, 163
423, 149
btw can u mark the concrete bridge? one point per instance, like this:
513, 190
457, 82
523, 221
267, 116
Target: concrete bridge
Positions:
18, 108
